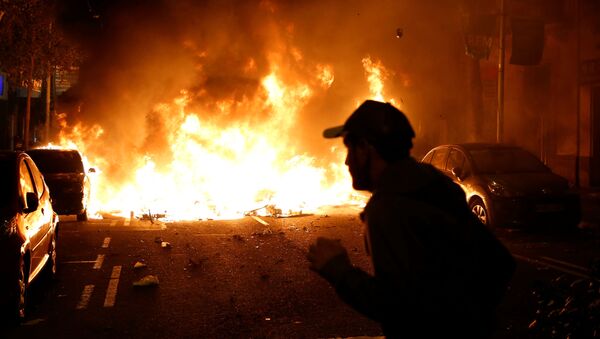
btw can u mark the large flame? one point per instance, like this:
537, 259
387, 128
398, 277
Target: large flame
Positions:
376, 74
218, 170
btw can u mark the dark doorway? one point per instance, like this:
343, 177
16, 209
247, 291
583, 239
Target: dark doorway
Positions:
595, 154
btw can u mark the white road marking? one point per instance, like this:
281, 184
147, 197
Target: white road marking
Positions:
113, 223
85, 297
78, 262
260, 220
111, 292
106, 242
99, 261
583, 269
549, 265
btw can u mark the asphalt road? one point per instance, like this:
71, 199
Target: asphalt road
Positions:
245, 278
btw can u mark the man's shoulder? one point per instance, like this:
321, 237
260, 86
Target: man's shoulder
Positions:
389, 203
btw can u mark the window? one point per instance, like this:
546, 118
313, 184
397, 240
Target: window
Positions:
427, 158
37, 178
25, 180
456, 159
439, 158
57, 161
506, 160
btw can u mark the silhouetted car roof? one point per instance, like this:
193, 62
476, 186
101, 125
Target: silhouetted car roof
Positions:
481, 145
57, 160
500, 158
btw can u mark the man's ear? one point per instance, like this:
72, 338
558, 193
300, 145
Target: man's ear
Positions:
366, 146
363, 143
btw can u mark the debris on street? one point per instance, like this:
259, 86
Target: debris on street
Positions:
274, 211
139, 264
147, 281
165, 244
567, 309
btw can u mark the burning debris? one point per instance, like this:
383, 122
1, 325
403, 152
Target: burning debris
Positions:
274, 211
152, 217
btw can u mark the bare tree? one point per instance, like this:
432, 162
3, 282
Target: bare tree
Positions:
32, 46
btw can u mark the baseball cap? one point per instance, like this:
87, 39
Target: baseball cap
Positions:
376, 121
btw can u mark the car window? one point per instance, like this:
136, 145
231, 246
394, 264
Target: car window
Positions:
37, 178
427, 158
506, 160
439, 158
57, 161
457, 159
25, 179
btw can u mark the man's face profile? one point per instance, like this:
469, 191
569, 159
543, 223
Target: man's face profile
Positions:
357, 161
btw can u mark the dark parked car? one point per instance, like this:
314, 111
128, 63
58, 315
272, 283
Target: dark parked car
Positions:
65, 175
28, 230
508, 186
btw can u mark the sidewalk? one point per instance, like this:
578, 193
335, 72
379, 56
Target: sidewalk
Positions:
590, 209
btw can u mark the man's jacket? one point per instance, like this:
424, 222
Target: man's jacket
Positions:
439, 273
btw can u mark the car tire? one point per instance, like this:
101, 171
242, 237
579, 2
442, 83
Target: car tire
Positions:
477, 206
83, 216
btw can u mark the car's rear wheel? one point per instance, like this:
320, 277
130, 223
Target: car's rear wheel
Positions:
478, 208
83, 216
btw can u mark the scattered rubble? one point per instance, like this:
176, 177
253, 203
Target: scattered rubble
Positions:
567, 309
274, 211
147, 281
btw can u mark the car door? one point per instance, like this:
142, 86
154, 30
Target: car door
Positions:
459, 169
36, 223
45, 208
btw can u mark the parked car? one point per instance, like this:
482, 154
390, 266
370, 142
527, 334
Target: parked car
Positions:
28, 230
507, 185
69, 184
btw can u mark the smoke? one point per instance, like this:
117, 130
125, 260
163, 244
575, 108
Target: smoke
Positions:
143, 53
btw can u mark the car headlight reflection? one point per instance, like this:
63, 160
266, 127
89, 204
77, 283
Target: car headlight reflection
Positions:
500, 190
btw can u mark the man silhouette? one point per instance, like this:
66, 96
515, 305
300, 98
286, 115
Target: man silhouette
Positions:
438, 272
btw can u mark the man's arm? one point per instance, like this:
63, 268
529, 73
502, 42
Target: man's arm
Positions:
378, 297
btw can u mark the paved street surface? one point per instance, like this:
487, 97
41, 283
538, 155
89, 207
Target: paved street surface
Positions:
245, 278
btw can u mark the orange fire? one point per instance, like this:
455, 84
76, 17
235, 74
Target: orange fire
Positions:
376, 73
226, 171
